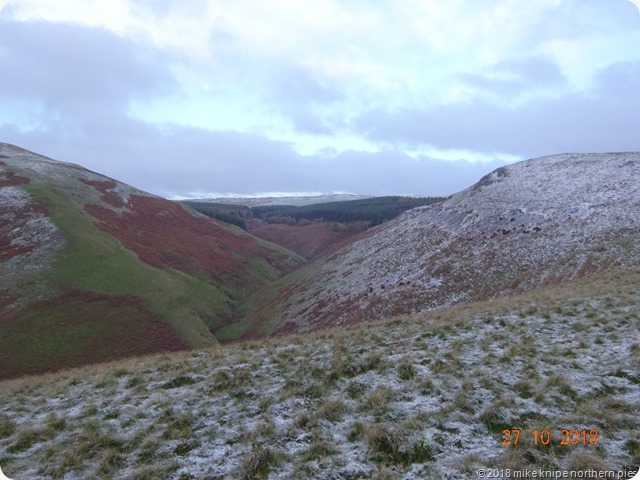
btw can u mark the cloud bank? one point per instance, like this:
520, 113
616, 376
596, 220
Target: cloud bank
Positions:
385, 97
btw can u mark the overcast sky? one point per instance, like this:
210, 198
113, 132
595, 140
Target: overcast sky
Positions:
198, 98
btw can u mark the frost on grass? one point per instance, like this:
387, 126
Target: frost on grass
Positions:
420, 397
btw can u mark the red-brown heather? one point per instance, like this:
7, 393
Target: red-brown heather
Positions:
308, 241
83, 327
104, 187
163, 234
10, 179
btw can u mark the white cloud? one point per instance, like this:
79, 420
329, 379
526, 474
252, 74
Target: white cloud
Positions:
636, 3
394, 47
113, 15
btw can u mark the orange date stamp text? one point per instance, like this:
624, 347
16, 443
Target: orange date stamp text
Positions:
567, 436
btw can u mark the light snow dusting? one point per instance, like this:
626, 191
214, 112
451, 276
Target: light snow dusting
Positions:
537, 222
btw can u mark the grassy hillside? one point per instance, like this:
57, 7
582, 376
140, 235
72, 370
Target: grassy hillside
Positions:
118, 273
97, 292
427, 396
95, 261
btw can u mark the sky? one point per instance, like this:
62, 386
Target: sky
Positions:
381, 97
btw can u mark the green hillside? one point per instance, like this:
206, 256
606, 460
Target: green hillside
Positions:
118, 272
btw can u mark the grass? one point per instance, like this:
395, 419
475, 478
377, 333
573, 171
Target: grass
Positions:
426, 396
393, 445
7, 426
378, 401
89, 259
178, 382
231, 332
257, 463
93, 261
74, 333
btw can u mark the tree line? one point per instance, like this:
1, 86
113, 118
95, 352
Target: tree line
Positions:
230, 213
374, 211
351, 215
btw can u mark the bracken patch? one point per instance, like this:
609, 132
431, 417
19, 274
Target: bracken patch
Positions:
78, 328
163, 234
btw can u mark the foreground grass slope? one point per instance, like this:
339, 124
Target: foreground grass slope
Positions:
426, 396
94, 270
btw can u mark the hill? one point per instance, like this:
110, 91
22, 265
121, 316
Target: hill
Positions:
421, 397
282, 200
93, 269
225, 212
309, 240
539, 222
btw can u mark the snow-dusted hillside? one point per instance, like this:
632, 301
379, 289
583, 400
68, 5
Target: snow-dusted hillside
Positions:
536, 222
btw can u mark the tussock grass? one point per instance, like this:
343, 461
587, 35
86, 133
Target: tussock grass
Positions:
257, 463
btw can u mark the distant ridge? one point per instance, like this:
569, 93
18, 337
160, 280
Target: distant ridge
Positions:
293, 200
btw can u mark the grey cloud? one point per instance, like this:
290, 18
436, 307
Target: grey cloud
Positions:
620, 82
602, 121
68, 66
85, 78
173, 161
298, 84
296, 93
516, 76
88, 87
392, 172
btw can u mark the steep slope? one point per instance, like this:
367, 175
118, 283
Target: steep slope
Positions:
93, 269
537, 222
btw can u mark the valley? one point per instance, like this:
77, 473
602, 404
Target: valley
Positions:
141, 339
71, 236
